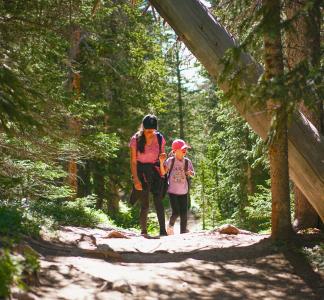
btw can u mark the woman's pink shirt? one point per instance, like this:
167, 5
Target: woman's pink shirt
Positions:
151, 152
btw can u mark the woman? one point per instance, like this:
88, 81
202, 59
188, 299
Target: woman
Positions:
146, 146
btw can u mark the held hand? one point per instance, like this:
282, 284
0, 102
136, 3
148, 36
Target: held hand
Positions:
162, 157
190, 173
138, 185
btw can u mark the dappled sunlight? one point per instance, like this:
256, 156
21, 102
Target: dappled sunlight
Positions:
201, 265
234, 279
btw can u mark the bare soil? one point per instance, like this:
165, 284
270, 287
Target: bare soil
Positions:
83, 263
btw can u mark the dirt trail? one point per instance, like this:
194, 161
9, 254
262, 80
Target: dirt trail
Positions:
85, 264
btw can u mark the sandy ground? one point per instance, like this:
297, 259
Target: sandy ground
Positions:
85, 264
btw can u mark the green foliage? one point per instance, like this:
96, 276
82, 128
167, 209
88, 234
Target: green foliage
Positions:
14, 221
122, 78
9, 272
16, 269
258, 210
230, 164
21, 178
128, 217
76, 212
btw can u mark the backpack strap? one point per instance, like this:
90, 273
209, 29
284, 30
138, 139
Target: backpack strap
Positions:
171, 166
136, 138
186, 170
186, 164
159, 138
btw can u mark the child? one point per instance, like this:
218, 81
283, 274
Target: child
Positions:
178, 168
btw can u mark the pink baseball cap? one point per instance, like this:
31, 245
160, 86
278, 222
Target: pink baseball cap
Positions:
179, 144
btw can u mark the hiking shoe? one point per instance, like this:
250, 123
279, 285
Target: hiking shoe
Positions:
163, 233
170, 230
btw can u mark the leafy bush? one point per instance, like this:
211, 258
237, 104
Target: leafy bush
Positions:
258, 211
32, 179
14, 221
70, 212
16, 269
128, 217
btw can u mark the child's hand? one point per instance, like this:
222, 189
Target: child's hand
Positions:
162, 157
190, 173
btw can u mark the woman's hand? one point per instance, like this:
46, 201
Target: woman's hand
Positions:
138, 185
162, 157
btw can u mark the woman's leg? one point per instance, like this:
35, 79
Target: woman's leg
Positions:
183, 209
175, 209
159, 208
144, 211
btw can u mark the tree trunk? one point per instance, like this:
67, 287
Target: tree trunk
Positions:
113, 199
98, 184
84, 185
208, 41
278, 149
179, 89
75, 86
303, 45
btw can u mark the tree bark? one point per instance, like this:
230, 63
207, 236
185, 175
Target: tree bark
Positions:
113, 199
75, 86
179, 89
278, 149
303, 45
208, 41
84, 185
98, 183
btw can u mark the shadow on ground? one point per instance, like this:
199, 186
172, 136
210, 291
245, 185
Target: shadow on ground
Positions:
261, 270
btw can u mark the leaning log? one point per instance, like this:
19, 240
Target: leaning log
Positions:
208, 40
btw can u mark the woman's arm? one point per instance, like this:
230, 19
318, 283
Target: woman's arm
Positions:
133, 165
163, 168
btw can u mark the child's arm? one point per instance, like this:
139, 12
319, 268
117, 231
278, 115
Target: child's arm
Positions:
191, 171
163, 168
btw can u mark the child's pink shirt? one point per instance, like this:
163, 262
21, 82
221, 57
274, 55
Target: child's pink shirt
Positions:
178, 183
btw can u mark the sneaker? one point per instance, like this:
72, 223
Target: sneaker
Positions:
170, 230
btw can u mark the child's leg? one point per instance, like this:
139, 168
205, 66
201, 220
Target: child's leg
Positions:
144, 211
175, 209
183, 208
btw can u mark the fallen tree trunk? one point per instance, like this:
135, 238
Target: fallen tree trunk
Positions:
208, 41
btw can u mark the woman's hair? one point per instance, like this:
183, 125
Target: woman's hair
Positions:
140, 139
148, 122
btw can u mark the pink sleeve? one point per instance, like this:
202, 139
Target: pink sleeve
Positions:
167, 163
132, 143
